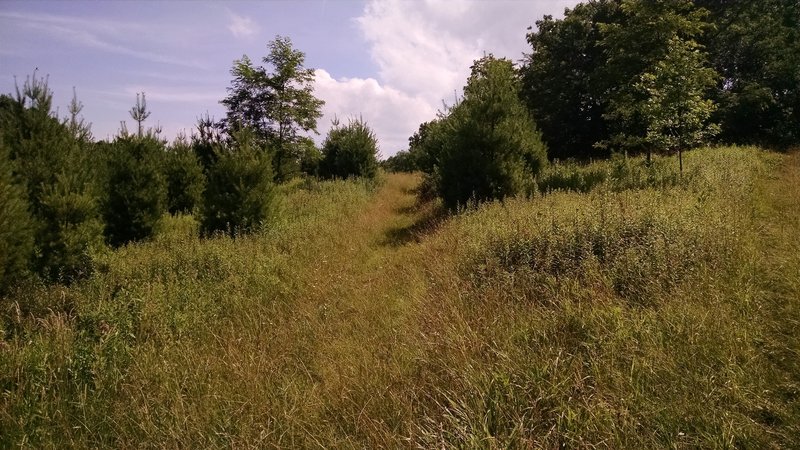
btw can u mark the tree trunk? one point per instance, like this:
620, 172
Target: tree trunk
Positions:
680, 160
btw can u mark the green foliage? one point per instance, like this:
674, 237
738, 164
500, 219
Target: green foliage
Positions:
310, 157
402, 161
426, 144
676, 109
561, 80
580, 80
240, 194
204, 142
637, 46
350, 151
184, 177
71, 230
756, 50
491, 148
52, 160
277, 105
137, 189
16, 231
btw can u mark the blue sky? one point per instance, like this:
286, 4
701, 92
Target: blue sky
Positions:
392, 62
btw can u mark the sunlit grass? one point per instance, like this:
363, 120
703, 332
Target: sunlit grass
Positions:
622, 305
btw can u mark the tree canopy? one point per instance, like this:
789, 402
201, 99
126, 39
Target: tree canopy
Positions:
276, 101
583, 77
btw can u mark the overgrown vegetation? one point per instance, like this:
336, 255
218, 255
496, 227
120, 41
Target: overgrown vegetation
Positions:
634, 314
214, 292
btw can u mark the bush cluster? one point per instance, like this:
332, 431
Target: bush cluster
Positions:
484, 147
64, 197
349, 151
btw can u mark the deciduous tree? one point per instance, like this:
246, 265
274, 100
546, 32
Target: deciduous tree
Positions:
561, 79
277, 102
676, 108
634, 46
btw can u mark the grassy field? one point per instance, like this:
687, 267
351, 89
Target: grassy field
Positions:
622, 306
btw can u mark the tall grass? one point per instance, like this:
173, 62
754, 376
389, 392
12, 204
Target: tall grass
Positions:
617, 318
638, 309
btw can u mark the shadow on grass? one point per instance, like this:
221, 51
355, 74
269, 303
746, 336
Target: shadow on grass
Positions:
430, 215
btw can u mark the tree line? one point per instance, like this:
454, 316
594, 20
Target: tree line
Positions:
65, 197
626, 76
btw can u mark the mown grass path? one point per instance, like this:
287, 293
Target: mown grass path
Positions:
311, 345
350, 329
779, 277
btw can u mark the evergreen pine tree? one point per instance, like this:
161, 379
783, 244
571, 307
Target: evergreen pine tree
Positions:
491, 147
240, 193
137, 190
350, 151
16, 233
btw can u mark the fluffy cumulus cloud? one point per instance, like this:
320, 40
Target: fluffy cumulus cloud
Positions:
423, 51
389, 111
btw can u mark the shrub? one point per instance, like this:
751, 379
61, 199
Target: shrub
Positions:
240, 195
137, 191
491, 147
16, 233
184, 177
350, 151
52, 161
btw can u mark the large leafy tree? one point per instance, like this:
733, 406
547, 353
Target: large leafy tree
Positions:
580, 80
490, 145
633, 47
561, 80
755, 47
276, 101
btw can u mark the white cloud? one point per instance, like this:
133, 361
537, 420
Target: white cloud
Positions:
388, 111
241, 27
424, 51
